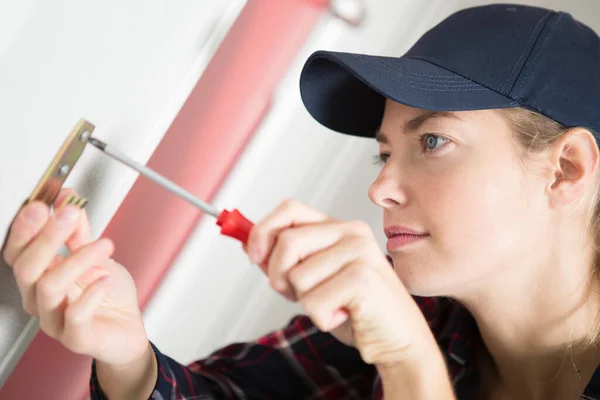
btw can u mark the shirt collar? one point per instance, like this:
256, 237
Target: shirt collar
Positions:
457, 334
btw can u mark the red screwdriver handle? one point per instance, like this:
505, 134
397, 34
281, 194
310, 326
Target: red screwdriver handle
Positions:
234, 224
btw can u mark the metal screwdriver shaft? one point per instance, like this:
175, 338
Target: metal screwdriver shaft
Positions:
150, 174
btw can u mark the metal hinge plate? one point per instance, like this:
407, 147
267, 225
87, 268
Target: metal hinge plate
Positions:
61, 166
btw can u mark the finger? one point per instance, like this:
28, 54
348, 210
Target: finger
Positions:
77, 333
27, 224
296, 244
82, 235
321, 266
36, 258
337, 297
289, 213
6, 236
93, 273
263, 265
51, 289
28, 301
55, 281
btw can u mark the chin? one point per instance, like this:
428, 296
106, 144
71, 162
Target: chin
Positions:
424, 281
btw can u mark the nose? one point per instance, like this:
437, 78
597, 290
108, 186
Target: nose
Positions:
386, 191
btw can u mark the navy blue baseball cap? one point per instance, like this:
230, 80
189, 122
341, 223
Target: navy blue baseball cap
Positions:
494, 56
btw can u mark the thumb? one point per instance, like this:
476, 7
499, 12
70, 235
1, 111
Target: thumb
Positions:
263, 265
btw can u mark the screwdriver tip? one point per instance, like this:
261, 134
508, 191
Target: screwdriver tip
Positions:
97, 143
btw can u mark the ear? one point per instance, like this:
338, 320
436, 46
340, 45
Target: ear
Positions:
574, 159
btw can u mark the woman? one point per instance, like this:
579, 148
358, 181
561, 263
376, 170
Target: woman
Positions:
488, 139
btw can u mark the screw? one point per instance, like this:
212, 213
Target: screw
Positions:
63, 170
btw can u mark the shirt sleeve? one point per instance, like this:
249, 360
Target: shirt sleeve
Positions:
297, 362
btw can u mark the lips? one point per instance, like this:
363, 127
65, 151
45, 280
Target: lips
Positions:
399, 237
391, 231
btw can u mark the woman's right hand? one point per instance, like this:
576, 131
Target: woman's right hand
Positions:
87, 301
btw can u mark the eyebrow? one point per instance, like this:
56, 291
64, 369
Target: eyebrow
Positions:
413, 124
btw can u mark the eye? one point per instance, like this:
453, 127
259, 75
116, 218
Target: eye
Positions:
430, 143
380, 159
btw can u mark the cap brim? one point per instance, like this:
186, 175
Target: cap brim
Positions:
346, 92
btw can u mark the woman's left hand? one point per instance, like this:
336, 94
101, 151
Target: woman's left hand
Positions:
343, 281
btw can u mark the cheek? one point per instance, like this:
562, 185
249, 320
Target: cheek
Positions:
474, 212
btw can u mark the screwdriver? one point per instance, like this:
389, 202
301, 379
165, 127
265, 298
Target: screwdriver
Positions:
232, 223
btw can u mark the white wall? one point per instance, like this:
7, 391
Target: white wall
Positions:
125, 65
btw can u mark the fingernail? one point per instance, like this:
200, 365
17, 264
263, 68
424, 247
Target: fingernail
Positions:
34, 213
255, 254
67, 214
339, 317
106, 244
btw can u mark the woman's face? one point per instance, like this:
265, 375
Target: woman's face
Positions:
456, 179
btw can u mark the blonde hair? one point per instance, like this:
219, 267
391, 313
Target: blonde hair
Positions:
534, 133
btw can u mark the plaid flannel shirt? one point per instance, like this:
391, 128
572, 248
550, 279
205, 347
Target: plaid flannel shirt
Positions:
300, 362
